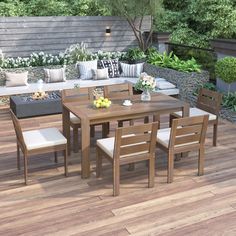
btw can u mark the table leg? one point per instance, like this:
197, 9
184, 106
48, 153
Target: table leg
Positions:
85, 147
66, 127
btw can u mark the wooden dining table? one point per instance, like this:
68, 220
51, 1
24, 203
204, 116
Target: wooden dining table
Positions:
89, 115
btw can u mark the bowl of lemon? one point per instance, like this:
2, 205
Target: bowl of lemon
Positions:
102, 102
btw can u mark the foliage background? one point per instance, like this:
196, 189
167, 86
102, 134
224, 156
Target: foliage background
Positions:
190, 22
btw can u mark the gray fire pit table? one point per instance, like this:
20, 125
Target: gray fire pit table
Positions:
24, 106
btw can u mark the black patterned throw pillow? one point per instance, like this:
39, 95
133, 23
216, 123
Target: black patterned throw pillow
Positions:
112, 65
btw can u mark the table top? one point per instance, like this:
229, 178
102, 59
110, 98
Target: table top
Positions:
159, 103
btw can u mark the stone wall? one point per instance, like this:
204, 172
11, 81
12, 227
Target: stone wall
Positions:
186, 82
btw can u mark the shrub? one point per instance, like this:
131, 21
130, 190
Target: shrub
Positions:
35, 59
229, 101
100, 55
134, 55
226, 69
172, 61
78, 52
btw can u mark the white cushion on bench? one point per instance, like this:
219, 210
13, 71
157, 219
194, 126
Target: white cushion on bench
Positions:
33, 87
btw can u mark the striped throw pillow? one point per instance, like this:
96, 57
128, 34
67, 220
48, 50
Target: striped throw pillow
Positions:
85, 68
131, 70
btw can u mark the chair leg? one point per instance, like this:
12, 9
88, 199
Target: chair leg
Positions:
170, 167
26, 169
215, 131
157, 118
105, 129
66, 161
146, 119
92, 131
116, 179
170, 119
120, 123
151, 172
98, 163
18, 156
201, 159
55, 157
75, 140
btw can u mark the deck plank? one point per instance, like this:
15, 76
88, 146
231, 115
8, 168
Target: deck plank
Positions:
55, 205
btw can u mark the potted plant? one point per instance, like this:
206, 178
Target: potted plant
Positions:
226, 74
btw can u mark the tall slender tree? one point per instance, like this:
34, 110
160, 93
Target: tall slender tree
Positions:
134, 11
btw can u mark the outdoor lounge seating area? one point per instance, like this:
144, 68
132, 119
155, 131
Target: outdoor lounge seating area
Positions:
110, 126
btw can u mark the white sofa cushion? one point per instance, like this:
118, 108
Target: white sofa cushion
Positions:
197, 112
131, 70
85, 68
55, 75
43, 138
163, 137
100, 74
16, 79
165, 85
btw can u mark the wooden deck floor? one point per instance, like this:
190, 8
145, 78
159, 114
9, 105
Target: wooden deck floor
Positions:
55, 205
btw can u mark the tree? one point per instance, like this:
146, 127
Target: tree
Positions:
194, 22
134, 11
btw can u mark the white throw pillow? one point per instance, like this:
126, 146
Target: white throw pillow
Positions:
85, 68
100, 74
16, 79
55, 75
131, 70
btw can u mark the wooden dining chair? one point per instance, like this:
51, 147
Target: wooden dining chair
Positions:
119, 91
77, 95
208, 103
186, 134
131, 144
39, 141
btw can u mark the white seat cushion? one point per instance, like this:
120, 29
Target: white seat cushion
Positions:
163, 137
42, 138
165, 85
107, 145
74, 119
197, 112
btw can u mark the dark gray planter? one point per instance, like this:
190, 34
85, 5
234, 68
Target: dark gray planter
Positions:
25, 109
224, 87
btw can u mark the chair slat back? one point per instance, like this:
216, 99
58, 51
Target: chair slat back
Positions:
188, 131
118, 91
77, 94
138, 139
209, 101
18, 131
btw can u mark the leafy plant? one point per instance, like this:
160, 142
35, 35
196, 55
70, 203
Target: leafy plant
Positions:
78, 52
135, 54
229, 101
172, 61
209, 86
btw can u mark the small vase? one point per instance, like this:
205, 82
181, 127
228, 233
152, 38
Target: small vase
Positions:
145, 96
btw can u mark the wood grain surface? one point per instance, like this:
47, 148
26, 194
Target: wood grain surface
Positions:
55, 205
